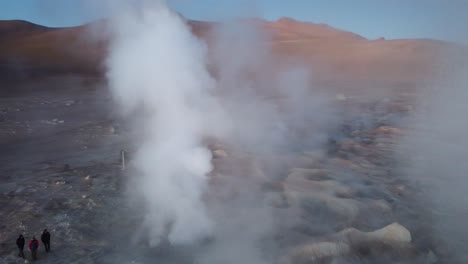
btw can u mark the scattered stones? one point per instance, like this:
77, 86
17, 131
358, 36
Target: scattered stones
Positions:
320, 192
331, 195
380, 206
54, 121
311, 253
309, 174
400, 190
330, 187
387, 130
344, 163
69, 103
219, 153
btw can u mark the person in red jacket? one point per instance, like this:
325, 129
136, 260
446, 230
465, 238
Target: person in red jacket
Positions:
33, 245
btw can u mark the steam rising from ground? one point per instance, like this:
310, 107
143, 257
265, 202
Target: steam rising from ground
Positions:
158, 73
158, 76
437, 146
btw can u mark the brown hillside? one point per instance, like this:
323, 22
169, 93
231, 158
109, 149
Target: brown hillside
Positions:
333, 54
14, 28
285, 29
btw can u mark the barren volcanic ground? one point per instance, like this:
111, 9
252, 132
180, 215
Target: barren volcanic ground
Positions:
60, 159
314, 195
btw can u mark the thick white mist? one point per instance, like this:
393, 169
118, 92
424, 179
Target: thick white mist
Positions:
437, 144
157, 73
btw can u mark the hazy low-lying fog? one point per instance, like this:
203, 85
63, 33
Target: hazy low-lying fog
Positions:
436, 152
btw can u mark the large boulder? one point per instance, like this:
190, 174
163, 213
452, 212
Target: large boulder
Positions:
301, 191
392, 235
310, 174
348, 242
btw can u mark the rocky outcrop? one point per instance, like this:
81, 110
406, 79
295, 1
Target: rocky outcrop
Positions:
392, 235
347, 242
309, 188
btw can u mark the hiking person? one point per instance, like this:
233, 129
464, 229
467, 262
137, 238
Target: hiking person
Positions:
33, 246
45, 237
20, 243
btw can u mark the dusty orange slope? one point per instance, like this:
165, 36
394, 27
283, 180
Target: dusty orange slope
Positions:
50, 49
333, 54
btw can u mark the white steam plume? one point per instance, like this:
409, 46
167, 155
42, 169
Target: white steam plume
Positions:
157, 73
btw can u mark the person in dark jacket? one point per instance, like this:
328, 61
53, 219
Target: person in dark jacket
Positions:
20, 243
45, 237
33, 246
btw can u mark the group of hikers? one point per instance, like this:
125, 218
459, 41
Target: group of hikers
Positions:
33, 244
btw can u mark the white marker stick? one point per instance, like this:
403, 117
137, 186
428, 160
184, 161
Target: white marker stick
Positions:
122, 158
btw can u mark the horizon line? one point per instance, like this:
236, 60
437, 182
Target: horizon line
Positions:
382, 38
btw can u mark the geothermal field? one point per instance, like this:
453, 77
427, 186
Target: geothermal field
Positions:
151, 138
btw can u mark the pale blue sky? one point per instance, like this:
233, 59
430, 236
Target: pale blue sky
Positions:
442, 19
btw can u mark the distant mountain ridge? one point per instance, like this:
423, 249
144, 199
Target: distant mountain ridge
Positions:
14, 27
27, 47
308, 29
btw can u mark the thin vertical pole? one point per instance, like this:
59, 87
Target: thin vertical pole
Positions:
122, 158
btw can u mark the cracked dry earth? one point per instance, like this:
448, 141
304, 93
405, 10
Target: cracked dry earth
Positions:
60, 170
